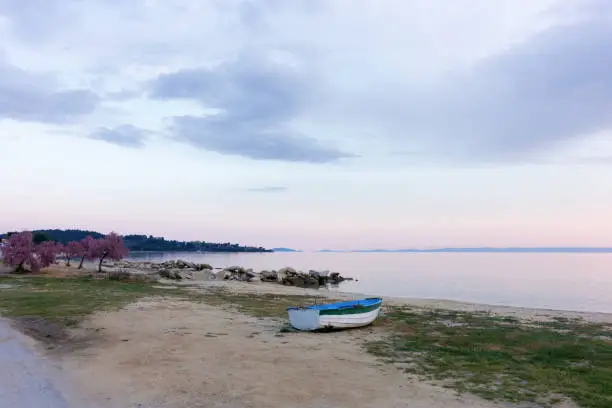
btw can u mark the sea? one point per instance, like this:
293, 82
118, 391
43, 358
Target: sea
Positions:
559, 281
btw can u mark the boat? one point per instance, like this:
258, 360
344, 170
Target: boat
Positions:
339, 315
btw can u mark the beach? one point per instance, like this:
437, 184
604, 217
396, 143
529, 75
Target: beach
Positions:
226, 344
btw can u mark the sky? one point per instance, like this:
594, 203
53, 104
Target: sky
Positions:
310, 123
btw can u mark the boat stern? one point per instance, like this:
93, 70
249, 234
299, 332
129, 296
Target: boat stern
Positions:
304, 319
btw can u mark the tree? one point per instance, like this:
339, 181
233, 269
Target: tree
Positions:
73, 249
46, 253
111, 247
21, 251
87, 249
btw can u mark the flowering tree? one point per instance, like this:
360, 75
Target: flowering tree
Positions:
21, 252
111, 247
46, 252
87, 249
73, 249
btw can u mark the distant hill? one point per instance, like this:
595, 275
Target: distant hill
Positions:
285, 250
484, 250
151, 243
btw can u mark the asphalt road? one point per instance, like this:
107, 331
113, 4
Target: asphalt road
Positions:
26, 381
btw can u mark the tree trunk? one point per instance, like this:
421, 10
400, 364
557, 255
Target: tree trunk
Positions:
20, 268
100, 264
67, 261
81, 264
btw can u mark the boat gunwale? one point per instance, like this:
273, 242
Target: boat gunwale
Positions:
355, 308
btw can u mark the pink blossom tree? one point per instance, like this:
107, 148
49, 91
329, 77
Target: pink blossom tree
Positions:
87, 250
21, 252
111, 247
46, 252
73, 249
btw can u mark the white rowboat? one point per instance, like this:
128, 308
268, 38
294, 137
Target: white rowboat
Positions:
340, 315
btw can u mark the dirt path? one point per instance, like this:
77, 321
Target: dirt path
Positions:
164, 353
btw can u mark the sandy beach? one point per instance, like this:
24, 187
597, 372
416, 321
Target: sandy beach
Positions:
167, 352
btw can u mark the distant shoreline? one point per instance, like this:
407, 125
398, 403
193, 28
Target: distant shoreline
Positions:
540, 250
550, 250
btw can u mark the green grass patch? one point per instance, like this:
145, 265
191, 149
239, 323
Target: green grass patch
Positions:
501, 358
257, 305
69, 300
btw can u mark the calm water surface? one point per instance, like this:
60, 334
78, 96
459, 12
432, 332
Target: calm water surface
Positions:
554, 281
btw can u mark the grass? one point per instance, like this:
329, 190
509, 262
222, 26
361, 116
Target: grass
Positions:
259, 305
501, 358
68, 300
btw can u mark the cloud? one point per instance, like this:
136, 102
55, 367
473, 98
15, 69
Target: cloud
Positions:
258, 97
269, 189
552, 88
542, 92
124, 135
37, 20
229, 135
35, 98
496, 82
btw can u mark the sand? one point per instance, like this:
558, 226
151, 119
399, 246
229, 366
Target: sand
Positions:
162, 353
170, 353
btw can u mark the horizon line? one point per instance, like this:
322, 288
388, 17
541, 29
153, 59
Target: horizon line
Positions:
482, 249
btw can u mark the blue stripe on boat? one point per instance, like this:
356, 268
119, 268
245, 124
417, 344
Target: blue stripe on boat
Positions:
368, 302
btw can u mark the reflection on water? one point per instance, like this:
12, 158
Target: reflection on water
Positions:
555, 281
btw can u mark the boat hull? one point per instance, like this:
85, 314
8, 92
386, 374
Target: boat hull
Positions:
314, 318
347, 321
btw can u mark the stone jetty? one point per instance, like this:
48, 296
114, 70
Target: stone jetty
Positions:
184, 270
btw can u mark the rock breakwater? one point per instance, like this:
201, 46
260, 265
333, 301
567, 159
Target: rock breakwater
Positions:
185, 270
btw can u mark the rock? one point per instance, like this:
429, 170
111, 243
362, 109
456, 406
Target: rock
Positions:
283, 273
203, 275
184, 270
321, 276
324, 273
238, 273
168, 264
302, 281
335, 278
268, 276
